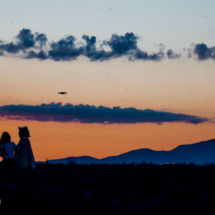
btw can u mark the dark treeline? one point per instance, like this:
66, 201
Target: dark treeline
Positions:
109, 189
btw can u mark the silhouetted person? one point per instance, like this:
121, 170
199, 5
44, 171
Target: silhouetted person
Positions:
24, 155
8, 148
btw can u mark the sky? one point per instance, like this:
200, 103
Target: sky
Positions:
138, 74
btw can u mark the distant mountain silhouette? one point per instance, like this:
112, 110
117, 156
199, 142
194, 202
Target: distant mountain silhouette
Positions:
197, 153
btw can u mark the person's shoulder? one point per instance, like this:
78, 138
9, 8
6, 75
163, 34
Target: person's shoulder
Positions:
11, 143
25, 139
1, 146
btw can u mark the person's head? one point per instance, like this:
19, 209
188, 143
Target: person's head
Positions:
5, 137
23, 131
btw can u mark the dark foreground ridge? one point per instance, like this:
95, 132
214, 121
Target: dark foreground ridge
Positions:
109, 189
198, 153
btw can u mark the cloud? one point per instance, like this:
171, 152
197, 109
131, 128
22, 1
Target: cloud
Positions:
25, 40
90, 50
41, 39
203, 52
127, 46
65, 49
11, 48
120, 45
92, 114
91, 43
171, 55
40, 55
142, 55
28, 45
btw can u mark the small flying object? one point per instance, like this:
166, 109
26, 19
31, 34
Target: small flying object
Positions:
62, 93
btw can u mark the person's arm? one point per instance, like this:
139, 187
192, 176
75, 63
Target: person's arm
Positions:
16, 150
2, 150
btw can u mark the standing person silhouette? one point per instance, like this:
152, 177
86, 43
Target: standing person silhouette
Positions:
9, 148
24, 156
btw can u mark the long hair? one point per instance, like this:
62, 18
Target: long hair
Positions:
23, 131
5, 137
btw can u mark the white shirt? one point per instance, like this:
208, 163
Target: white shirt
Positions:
9, 149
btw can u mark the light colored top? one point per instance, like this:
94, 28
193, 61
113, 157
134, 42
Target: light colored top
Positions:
25, 158
9, 149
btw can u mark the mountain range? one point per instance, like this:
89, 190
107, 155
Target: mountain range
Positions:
198, 153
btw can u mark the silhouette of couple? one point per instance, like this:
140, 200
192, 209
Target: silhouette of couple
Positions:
23, 156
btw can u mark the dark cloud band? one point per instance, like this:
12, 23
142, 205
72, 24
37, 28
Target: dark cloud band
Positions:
91, 114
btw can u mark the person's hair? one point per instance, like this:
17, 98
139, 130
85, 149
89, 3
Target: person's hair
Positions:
23, 131
5, 137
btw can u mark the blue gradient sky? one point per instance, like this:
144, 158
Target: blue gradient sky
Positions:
176, 24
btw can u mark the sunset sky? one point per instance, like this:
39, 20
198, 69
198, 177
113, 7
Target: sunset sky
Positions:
151, 60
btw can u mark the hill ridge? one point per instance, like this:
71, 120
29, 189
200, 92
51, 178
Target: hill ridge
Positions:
199, 153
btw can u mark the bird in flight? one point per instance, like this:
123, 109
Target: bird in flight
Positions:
62, 93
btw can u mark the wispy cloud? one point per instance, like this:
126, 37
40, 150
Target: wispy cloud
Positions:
92, 114
171, 55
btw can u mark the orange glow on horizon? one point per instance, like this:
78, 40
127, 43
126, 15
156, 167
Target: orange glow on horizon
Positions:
52, 140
